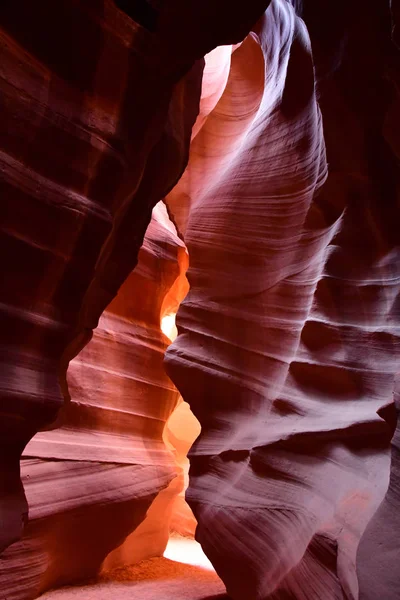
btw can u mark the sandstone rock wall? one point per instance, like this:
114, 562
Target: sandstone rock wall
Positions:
90, 482
357, 58
91, 104
288, 339
98, 100
288, 347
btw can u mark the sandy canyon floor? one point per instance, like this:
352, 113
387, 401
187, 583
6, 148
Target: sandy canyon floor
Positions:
183, 573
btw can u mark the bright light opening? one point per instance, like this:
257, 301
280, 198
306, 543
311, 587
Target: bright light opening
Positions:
181, 430
188, 552
168, 326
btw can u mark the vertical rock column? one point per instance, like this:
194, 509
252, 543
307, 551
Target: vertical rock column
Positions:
285, 341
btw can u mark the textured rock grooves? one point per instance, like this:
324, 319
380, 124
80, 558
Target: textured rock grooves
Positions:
288, 343
90, 482
80, 148
96, 117
288, 339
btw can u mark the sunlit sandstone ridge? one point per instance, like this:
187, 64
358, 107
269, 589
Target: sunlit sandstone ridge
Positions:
278, 159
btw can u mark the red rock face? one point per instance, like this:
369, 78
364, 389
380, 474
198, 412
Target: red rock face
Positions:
288, 339
181, 431
80, 147
91, 107
287, 348
90, 482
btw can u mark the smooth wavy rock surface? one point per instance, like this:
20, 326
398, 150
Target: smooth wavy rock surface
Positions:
98, 100
359, 99
90, 482
288, 339
288, 343
90, 108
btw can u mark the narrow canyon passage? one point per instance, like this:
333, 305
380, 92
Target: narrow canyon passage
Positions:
183, 572
126, 423
200, 299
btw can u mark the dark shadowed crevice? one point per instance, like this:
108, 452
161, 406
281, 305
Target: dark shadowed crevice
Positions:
140, 11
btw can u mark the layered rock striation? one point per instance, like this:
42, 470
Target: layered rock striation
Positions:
90, 482
288, 339
288, 344
90, 105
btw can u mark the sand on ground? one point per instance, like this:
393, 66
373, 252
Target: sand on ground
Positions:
183, 573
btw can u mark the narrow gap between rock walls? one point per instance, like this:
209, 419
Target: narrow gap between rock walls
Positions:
181, 430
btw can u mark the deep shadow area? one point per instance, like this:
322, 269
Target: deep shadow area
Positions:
218, 597
140, 11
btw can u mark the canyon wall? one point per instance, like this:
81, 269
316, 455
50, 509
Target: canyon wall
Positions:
356, 52
182, 429
90, 482
96, 117
288, 341
82, 164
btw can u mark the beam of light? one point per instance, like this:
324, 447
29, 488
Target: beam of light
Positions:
188, 552
168, 326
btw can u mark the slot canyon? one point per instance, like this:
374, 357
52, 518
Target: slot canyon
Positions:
200, 300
